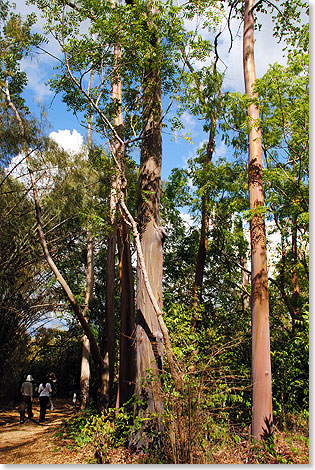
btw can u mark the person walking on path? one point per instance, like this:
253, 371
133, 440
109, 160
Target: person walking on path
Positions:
27, 398
52, 380
44, 391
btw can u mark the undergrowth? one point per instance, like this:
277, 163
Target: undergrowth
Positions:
191, 435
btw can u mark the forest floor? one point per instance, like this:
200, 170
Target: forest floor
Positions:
35, 443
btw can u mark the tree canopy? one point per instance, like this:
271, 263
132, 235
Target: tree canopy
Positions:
158, 277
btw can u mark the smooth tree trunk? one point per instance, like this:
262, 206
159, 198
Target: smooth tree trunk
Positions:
262, 419
203, 241
85, 372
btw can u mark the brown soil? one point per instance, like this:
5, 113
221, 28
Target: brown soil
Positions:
35, 443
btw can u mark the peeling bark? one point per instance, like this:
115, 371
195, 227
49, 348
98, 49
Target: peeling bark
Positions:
127, 364
149, 336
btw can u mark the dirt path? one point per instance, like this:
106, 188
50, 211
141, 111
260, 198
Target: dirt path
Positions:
34, 443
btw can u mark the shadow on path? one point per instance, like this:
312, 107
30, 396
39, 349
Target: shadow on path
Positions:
33, 442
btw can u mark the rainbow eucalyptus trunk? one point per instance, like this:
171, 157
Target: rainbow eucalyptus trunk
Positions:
85, 372
262, 420
149, 336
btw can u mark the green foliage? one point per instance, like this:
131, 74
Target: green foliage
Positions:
290, 369
17, 42
145, 40
59, 351
108, 430
214, 349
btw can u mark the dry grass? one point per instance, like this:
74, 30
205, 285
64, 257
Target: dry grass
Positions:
287, 447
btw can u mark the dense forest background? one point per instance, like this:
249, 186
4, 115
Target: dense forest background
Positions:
137, 291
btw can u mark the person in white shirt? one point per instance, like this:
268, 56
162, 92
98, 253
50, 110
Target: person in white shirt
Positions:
44, 391
27, 398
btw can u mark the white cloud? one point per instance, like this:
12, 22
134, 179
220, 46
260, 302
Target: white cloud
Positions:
187, 219
36, 78
267, 51
70, 142
189, 121
220, 150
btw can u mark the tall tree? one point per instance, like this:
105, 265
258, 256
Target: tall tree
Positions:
262, 420
149, 337
86, 350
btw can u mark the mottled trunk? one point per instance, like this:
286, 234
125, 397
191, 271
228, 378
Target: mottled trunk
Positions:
127, 360
149, 336
262, 420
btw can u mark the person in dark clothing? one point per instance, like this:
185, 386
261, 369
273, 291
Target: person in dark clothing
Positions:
44, 391
27, 398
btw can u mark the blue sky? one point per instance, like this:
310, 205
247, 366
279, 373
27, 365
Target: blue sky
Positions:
175, 151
